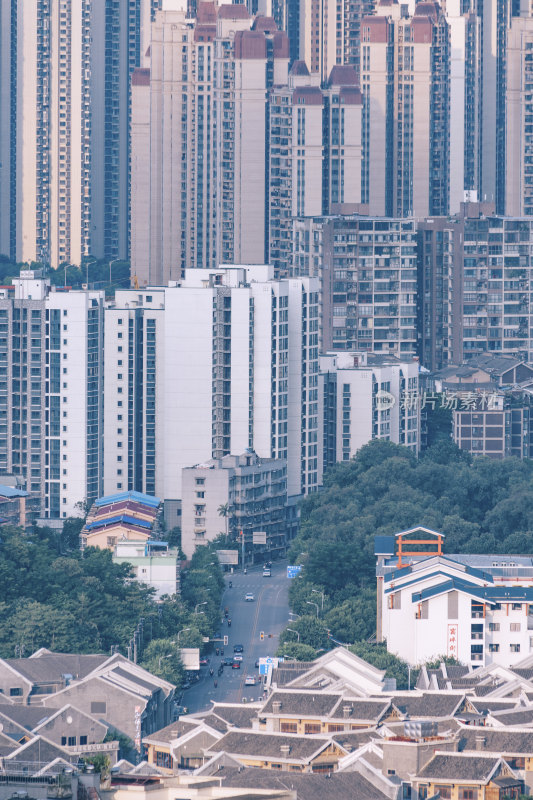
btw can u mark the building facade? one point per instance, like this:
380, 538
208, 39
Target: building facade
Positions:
51, 403
222, 361
367, 268
365, 397
253, 492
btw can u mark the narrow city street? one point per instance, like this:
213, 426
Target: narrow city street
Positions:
268, 612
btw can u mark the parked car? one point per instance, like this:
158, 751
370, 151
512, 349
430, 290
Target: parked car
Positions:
238, 648
250, 680
236, 665
249, 597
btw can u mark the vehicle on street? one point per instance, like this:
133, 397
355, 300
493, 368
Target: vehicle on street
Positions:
237, 657
250, 680
238, 648
266, 573
204, 661
228, 661
217, 635
236, 665
249, 597
186, 685
257, 663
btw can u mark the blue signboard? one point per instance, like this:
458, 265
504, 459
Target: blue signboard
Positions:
292, 572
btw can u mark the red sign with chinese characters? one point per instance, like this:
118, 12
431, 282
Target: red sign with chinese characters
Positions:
453, 645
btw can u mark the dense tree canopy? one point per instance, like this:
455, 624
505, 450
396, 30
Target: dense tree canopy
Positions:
52, 595
480, 505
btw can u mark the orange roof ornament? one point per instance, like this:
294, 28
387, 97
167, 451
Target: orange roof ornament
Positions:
405, 544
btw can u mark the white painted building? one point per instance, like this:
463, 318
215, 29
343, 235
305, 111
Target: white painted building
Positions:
365, 397
51, 392
219, 362
153, 564
478, 609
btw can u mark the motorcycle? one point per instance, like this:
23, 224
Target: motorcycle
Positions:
229, 623
211, 671
231, 584
217, 651
216, 684
245, 571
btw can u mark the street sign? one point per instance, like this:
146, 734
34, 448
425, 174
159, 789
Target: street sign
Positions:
293, 571
259, 537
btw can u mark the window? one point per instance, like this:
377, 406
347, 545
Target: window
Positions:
466, 793
83, 740
63, 740
72, 741
98, 707
494, 626
445, 792
514, 626
288, 727
311, 727
15, 692
199, 481
494, 648
516, 606
514, 648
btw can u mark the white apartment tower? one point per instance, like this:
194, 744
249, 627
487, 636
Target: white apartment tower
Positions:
219, 362
365, 397
518, 180
51, 392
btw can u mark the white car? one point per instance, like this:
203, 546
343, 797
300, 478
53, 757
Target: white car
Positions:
249, 597
250, 680
237, 656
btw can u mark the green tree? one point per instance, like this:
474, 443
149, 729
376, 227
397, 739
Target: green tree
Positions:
161, 657
312, 631
296, 652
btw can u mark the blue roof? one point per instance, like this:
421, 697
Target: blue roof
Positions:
139, 497
477, 573
104, 523
489, 594
383, 545
418, 578
10, 491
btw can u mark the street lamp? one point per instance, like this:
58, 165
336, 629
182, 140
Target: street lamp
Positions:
90, 261
310, 603
112, 262
321, 594
293, 631
197, 606
180, 632
162, 657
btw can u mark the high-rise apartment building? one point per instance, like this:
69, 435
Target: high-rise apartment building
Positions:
51, 392
475, 287
365, 397
64, 128
315, 152
518, 161
367, 268
405, 74
222, 361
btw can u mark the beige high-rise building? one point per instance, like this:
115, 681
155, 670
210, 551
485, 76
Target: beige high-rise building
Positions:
406, 120
171, 176
518, 115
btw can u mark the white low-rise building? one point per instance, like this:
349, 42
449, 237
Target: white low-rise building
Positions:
476, 608
153, 563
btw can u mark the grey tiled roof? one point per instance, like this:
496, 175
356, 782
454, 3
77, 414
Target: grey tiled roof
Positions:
483, 706
353, 740
239, 717
26, 716
267, 745
305, 704
463, 767
515, 717
428, 705
50, 668
172, 731
497, 741
341, 785
367, 710
215, 722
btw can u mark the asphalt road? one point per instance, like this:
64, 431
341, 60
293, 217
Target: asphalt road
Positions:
269, 613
